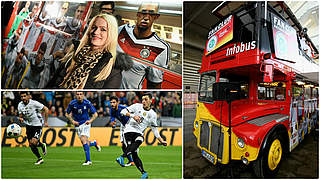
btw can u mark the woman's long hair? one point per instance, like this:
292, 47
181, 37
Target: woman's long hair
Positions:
110, 46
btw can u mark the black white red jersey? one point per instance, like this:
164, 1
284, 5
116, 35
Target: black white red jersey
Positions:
148, 119
152, 49
34, 33
25, 29
31, 112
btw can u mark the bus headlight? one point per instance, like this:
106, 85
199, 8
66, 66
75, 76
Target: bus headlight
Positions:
240, 142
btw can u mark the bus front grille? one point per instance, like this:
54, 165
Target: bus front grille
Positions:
216, 139
204, 135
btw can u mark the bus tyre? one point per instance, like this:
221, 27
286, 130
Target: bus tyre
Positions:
268, 163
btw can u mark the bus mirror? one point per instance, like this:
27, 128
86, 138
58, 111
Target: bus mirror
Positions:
226, 91
268, 73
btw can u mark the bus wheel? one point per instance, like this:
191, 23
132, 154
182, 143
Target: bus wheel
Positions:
268, 164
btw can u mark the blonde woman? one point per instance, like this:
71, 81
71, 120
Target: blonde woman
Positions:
92, 63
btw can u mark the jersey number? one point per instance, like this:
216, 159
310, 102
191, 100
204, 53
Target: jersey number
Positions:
36, 135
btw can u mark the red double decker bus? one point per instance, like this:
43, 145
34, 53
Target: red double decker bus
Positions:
256, 100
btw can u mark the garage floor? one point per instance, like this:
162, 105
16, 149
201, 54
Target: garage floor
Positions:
302, 162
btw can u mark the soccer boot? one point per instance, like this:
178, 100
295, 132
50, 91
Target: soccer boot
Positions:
87, 163
44, 148
144, 175
129, 164
39, 161
97, 146
120, 161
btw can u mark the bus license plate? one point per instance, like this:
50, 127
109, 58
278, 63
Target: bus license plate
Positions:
208, 156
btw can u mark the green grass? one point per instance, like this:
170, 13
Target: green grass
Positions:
65, 162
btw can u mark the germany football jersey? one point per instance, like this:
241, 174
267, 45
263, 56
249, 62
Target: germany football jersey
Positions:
31, 112
152, 49
148, 119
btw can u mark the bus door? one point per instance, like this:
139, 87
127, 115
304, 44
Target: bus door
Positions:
295, 115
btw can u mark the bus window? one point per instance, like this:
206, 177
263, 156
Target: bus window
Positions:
244, 83
245, 19
206, 82
275, 91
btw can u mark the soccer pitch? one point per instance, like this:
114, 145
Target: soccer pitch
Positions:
65, 163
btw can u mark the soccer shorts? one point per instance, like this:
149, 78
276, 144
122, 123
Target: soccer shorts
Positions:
130, 137
33, 132
83, 130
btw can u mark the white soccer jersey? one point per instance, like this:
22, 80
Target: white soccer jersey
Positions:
49, 38
25, 29
31, 112
152, 49
149, 119
35, 31
60, 39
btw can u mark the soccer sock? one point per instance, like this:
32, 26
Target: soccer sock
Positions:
130, 158
92, 143
138, 162
124, 149
87, 151
35, 151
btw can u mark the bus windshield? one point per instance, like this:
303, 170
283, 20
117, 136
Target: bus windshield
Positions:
205, 89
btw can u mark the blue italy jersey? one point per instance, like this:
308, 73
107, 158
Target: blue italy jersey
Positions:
80, 111
116, 114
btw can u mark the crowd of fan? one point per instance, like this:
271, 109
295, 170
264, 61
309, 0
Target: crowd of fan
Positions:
164, 103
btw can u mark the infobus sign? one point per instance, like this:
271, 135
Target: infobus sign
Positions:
285, 39
220, 35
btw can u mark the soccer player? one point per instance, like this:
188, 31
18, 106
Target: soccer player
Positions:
78, 115
30, 113
141, 117
140, 42
115, 110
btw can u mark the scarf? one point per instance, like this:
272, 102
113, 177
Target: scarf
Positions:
84, 63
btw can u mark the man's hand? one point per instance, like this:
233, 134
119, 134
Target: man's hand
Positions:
45, 124
88, 122
21, 120
75, 123
113, 123
164, 143
58, 54
137, 118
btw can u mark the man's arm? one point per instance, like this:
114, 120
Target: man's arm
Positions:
152, 85
157, 135
46, 112
94, 116
21, 118
112, 118
69, 117
94, 111
155, 131
125, 112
